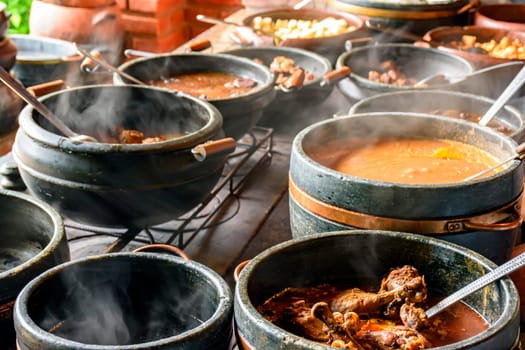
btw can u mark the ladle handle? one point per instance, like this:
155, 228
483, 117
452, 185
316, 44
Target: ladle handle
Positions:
509, 91
494, 275
25, 95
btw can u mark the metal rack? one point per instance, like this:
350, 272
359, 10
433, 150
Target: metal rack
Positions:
253, 151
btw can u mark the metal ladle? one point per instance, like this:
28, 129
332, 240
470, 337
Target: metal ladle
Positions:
25, 95
494, 275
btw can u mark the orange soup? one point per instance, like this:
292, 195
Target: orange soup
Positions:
208, 85
404, 160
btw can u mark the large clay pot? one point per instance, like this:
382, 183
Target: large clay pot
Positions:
125, 301
33, 240
92, 27
482, 214
354, 257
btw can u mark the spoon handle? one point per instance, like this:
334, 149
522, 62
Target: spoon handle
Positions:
25, 95
497, 273
509, 91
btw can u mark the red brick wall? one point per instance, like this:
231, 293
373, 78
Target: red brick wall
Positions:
163, 25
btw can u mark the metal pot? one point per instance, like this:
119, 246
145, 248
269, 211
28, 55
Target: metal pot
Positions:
239, 113
360, 258
113, 184
40, 59
439, 101
125, 301
33, 240
480, 214
415, 62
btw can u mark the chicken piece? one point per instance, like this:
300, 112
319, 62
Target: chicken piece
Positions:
386, 335
299, 316
401, 285
413, 317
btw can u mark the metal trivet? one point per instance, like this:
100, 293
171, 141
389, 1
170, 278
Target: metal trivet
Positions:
253, 150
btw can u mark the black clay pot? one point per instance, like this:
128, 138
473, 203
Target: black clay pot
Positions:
361, 258
323, 199
125, 301
239, 113
441, 101
33, 240
289, 103
415, 62
42, 59
113, 184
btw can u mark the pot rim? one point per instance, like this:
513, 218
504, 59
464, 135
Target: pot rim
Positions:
35, 131
243, 298
299, 138
369, 84
509, 108
223, 309
55, 240
52, 58
261, 88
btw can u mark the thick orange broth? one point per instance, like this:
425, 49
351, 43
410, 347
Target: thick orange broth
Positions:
404, 160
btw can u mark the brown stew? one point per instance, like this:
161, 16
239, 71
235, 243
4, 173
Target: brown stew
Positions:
392, 317
475, 118
208, 85
404, 160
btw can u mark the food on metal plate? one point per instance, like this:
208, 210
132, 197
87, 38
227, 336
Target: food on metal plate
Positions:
389, 73
392, 317
404, 160
282, 29
208, 85
503, 48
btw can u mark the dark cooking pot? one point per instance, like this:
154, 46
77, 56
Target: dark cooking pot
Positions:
469, 213
309, 94
112, 184
33, 240
442, 101
360, 259
415, 62
125, 301
42, 59
239, 113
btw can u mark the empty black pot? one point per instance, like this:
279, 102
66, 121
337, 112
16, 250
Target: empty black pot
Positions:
113, 184
33, 240
125, 301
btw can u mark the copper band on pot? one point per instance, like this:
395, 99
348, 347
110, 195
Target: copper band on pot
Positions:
491, 221
6, 310
403, 14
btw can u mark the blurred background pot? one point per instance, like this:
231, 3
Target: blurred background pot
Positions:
114, 184
4, 19
41, 59
240, 113
324, 258
33, 240
509, 17
125, 301
323, 199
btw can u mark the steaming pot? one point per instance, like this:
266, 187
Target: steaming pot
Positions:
113, 184
360, 258
33, 240
239, 113
482, 214
125, 301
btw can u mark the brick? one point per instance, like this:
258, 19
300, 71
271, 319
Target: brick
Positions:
155, 25
237, 3
122, 4
153, 6
159, 44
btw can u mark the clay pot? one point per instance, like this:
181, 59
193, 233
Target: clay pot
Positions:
93, 27
8, 52
504, 16
81, 3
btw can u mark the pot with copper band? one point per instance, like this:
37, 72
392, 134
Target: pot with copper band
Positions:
481, 214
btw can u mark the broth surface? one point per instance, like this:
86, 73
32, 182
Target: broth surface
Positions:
208, 85
404, 160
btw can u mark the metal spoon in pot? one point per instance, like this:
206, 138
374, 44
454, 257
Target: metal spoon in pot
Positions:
25, 95
520, 155
501, 271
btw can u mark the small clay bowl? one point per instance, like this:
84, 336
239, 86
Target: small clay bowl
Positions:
448, 34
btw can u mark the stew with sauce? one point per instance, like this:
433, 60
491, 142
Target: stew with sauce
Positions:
404, 160
208, 85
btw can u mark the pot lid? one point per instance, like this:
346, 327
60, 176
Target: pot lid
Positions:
426, 5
